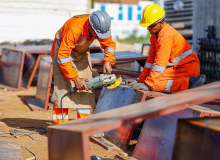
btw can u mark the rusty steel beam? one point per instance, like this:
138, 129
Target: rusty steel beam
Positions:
71, 139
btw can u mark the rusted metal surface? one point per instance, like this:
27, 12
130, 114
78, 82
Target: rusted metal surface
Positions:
197, 139
115, 98
35, 67
72, 138
157, 135
11, 68
40, 102
10, 151
17, 64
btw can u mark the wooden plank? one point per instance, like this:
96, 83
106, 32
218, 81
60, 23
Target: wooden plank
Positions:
113, 119
104, 143
10, 150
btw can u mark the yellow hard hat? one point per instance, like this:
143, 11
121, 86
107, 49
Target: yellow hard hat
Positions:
151, 14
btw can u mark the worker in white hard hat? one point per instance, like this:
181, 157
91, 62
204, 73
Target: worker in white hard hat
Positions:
72, 63
172, 65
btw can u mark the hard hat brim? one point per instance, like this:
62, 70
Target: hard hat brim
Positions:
143, 23
103, 35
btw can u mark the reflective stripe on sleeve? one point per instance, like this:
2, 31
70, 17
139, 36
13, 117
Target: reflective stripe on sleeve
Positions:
109, 50
58, 36
148, 65
158, 68
110, 56
182, 56
169, 84
154, 67
63, 60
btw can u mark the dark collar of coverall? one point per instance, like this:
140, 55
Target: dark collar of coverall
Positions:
86, 30
159, 32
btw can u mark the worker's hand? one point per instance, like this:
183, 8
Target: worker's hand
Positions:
80, 83
131, 82
140, 86
107, 67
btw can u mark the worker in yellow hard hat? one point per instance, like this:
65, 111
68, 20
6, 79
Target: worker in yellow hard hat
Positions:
172, 65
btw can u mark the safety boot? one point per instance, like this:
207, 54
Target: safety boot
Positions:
197, 81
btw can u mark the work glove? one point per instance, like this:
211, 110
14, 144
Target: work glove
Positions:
131, 82
140, 86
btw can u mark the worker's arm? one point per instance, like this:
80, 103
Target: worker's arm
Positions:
163, 51
149, 62
63, 58
109, 47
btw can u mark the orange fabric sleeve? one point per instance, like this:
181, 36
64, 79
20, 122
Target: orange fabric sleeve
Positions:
108, 43
150, 59
163, 51
67, 44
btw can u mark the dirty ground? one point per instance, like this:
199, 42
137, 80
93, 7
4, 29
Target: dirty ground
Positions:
15, 113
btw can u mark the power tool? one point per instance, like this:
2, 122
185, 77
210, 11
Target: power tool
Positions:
108, 80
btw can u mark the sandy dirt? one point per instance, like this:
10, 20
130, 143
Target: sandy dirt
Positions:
14, 112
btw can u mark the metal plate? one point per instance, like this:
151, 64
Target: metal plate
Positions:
97, 58
157, 136
11, 68
197, 139
115, 98
29, 63
156, 140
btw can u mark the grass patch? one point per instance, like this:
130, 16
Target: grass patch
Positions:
133, 38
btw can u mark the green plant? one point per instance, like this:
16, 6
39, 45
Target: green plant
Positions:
133, 38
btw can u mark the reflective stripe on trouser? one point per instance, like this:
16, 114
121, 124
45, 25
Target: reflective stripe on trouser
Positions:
176, 79
83, 112
57, 115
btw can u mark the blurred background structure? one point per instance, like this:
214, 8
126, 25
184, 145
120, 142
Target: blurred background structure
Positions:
36, 19
36, 22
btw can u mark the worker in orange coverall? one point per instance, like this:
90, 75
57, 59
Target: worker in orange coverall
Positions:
72, 63
172, 65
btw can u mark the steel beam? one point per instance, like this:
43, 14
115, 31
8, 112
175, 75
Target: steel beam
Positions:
62, 136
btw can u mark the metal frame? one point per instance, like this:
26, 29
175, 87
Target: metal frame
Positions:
71, 139
41, 100
20, 51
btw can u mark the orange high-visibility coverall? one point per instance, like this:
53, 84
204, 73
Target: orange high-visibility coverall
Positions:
171, 62
74, 35
69, 34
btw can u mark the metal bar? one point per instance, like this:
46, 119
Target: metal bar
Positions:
116, 118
